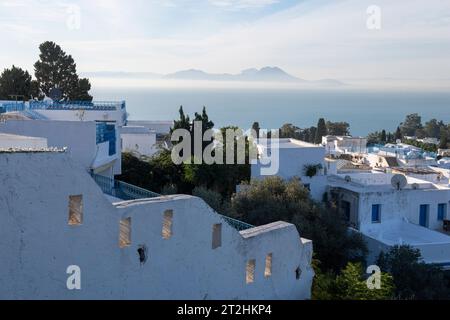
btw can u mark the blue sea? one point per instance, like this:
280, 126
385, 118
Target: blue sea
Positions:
365, 111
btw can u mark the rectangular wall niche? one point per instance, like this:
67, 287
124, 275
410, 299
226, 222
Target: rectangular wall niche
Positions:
125, 233
167, 224
268, 269
75, 210
217, 236
250, 278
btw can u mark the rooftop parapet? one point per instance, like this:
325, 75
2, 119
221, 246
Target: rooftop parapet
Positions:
77, 105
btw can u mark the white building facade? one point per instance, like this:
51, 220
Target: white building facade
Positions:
292, 158
412, 215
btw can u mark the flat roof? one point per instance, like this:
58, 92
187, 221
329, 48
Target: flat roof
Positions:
288, 143
8, 136
398, 232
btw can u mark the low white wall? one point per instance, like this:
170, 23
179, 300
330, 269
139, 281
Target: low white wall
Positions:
143, 144
38, 244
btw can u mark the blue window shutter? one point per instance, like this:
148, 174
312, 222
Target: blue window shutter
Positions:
376, 213
442, 207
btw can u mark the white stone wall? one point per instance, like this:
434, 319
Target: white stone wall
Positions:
38, 244
404, 204
78, 136
292, 163
143, 144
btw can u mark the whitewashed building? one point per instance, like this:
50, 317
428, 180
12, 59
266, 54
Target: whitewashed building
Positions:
395, 209
139, 140
89, 130
344, 144
63, 238
291, 158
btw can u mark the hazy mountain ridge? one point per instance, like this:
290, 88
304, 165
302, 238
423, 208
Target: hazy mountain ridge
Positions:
265, 74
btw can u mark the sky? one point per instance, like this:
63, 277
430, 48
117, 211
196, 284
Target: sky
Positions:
311, 39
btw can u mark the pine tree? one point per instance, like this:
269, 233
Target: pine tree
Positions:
444, 139
256, 127
56, 69
383, 136
15, 81
321, 131
398, 134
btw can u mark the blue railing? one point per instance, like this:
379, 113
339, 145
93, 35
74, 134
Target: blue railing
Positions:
126, 191
107, 132
77, 105
238, 225
12, 106
122, 190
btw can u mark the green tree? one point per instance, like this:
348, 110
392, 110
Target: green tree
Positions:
432, 128
56, 69
288, 130
413, 279
398, 134
338, 128
213, 198
321, 131
273, 199
383, 137
255, 126
350, 284
15, 81
443, 143
207, 124
412, 123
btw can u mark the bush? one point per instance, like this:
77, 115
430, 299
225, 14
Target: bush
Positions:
413, 279
350, 284
273, 199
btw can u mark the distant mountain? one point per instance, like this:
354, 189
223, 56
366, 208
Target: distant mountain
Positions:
266, 74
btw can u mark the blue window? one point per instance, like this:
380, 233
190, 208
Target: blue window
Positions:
442, 210
376, 213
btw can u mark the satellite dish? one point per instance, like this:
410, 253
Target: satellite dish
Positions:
55, 94
399, 181
348, 178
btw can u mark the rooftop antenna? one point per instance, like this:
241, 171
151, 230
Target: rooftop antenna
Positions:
399, 181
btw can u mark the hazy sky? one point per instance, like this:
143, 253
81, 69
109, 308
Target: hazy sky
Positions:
309, 38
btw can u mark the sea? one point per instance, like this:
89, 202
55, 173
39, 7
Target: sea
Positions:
365, 111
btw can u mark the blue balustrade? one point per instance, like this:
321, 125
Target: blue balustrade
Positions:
12, 106
238, 225
122, 190
78, 105
126, 191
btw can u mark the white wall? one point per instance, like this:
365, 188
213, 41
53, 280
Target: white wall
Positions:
78, 136
38, 244
143, 144
161, 127
292, 163
86, 115
404, 203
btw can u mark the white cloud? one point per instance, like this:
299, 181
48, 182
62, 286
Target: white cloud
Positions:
242, 4
313, 41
